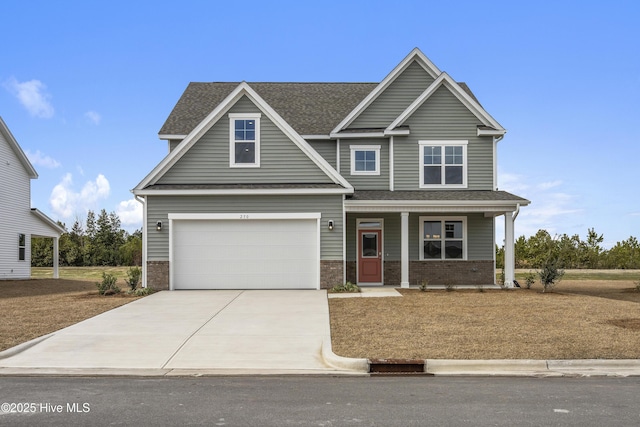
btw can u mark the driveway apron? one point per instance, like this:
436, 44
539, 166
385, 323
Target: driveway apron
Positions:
271, 330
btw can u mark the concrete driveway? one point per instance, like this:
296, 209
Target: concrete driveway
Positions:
193, 332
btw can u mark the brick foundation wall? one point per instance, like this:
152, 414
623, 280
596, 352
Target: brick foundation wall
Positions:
451, 272
158, 275
436, 272
330, 274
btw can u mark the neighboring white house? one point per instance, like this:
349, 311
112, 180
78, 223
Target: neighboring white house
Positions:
18, 221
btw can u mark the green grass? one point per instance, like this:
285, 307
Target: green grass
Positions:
587, 274
92, 274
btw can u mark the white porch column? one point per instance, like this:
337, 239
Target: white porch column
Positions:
56, 255
404, 249
509, 250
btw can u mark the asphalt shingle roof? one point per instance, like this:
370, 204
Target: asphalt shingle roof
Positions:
310, 108
439, 195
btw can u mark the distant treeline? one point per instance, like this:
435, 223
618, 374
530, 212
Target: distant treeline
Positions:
572, 252
99, 241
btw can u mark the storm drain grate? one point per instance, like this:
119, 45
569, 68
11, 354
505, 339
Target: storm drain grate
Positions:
397, 367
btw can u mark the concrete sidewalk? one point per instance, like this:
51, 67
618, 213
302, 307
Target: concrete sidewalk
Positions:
187, 332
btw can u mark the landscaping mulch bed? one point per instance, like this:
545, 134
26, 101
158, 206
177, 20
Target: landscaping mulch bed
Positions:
32, 308
578, 320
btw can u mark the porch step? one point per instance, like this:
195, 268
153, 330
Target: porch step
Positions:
397, 367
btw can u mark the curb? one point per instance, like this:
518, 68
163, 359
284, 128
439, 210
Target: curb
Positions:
507, 367
343, 363
24, 346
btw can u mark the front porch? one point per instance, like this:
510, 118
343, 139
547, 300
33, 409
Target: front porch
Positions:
443, 238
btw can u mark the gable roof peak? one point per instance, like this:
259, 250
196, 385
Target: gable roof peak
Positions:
13, 144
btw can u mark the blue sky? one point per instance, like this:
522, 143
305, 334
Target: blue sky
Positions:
85, 87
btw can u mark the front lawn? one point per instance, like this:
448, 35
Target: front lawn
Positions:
36, 307
585, 319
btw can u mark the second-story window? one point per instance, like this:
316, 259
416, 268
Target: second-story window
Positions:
443, 164
365, 159
244, 150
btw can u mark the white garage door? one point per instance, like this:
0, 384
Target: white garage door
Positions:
257, 252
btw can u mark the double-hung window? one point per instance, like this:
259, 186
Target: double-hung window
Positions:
244, 149
442, 238
443, 164
22, 247
365, 159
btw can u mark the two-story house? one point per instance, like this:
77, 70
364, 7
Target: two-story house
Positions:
19, 222
307, 185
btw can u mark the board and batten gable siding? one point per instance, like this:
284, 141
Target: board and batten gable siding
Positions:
207, 161
15, 213
443, 117
395, 99
327, 149
365, 182
480, 245
330, 207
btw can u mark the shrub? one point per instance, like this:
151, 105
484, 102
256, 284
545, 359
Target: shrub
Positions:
133, 277
423, 285
530, 279
550, 274
449, 286
142, 292
108, 285
346, 287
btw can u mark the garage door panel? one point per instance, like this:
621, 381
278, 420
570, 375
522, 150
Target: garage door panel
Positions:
246, 254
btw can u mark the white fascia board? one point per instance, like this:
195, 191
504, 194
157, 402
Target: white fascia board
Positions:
13, 144
358, 135
416, 55
233, 192
244, 216
486, 132
316, 137
168, 136
458, 92
401, 132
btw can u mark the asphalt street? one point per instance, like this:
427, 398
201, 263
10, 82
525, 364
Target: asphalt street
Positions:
320, 401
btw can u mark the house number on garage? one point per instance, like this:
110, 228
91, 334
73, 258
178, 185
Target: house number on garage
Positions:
244, 216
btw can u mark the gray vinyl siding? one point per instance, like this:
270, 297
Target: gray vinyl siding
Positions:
390, 234
281, 160
173, 143
330, 206
327, 149
480, 243
443, 117
395, 99
365, 182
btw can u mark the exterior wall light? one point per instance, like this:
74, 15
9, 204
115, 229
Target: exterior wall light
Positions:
159, 225
330, 224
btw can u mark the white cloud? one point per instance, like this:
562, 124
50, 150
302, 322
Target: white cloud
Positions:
66, 202
548, 185
130, 212
93, 117
33, 96
40, 159
550, 208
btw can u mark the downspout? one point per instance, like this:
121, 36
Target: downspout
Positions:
516, 212
143, 200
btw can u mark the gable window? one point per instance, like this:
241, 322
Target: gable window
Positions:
443, 164
22, 247
244, 149
442, 238
365, 159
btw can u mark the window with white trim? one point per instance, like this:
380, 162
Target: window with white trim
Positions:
443, 164
443, 238
244, 149
22, 247
365, 159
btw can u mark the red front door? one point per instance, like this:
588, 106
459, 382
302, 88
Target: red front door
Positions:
369, 256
